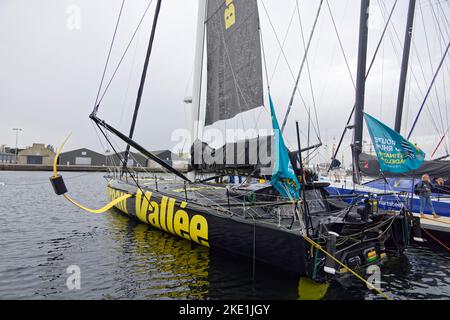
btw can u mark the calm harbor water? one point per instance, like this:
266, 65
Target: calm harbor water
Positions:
41, 235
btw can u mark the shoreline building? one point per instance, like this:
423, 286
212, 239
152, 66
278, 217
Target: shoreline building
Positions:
82, 157
134, 159
38, 153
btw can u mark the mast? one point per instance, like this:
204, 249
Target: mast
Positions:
405, 62
141, 86
360, 89
198, 70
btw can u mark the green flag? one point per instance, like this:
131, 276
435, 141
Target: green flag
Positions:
395, 153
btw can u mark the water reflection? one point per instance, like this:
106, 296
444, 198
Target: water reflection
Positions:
155, 265
121, 259
175, 268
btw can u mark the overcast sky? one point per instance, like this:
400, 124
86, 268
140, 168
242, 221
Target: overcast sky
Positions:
50, 68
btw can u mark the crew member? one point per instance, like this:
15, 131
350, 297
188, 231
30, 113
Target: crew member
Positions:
423, 190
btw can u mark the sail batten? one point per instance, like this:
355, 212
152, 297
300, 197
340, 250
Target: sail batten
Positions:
234, 63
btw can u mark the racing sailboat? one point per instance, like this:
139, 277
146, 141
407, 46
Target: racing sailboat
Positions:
396, 187
289, 222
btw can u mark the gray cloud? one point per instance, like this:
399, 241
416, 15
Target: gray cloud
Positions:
50, 73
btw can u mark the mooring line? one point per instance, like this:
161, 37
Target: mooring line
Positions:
435, 239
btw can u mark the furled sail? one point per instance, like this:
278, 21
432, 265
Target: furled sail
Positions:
234, 79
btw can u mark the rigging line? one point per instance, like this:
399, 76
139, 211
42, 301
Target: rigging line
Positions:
133, 63
408, 101
265, 71
438, 129
143, 77
301, 67
98, 136
382, 80
433, 106
443, 14
138, 147
439, 25
264, 59
126, 168
415, 51
309, 76
428, 91
286, 60
282, 45
432, 67
381, 38
120, 158
438, 145
124, 53
435, 239
109, 55
448, 70
340, 44
445, 23
115, 147
391, 37
367, 75
426, 5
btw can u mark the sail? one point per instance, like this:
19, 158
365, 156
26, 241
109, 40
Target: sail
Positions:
395, 153
244, 157
234, 65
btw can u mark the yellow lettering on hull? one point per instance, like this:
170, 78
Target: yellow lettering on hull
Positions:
166, 215
114, 194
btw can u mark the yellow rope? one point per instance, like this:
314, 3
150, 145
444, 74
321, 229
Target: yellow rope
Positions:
55, 160
95, 211
315, 244
101, 210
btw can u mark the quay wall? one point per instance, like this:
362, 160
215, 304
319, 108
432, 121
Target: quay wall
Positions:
73, 168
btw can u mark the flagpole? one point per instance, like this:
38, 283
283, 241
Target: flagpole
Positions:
303, 182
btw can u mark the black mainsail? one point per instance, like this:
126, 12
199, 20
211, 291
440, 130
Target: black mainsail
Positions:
234, 61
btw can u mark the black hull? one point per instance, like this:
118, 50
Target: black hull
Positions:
264, 242
245, 222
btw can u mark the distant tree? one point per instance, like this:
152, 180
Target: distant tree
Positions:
50, 147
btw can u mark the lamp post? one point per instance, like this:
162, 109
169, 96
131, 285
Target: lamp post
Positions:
17, 130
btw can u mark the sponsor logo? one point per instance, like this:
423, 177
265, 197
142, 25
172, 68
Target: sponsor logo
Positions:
229, 14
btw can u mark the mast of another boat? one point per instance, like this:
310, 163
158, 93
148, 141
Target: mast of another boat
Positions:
403, 77
360, 89
197, 82
405, 62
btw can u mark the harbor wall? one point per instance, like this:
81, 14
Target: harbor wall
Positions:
74, 168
